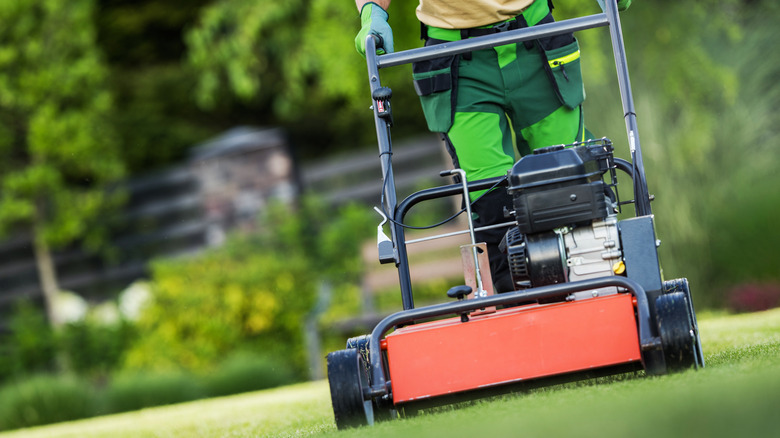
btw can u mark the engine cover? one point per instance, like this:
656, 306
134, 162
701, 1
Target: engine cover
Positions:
557, 186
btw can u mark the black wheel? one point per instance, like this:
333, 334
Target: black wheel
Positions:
347, 377
676, 330
681, 285
383, 409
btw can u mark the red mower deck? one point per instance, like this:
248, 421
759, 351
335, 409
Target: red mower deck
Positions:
511, 345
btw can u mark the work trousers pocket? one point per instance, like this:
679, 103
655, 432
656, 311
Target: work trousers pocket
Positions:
435, 83
563, 67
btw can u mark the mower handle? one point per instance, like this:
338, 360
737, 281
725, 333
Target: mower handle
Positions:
486, 42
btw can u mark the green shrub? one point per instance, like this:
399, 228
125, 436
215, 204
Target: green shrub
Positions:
94, 349
30, 346
131, 392
88, 348
246, 371
255, 291
45, 399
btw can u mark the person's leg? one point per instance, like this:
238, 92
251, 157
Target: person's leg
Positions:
480, 141
508, 80
538, 115
563, 126
492, 158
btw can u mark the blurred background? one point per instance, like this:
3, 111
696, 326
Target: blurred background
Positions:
186, 186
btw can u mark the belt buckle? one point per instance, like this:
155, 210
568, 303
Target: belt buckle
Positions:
503, 27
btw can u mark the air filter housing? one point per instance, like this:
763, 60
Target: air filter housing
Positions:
557, 186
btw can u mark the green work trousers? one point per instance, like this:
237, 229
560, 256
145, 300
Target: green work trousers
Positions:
492, 102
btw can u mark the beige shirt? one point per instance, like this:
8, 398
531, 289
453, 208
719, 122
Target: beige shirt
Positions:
464, 14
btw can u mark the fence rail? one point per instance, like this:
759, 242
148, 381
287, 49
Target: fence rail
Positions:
358, 177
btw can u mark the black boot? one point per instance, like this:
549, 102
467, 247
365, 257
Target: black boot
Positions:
489, 210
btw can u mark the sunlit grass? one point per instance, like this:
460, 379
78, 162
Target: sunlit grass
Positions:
303, 408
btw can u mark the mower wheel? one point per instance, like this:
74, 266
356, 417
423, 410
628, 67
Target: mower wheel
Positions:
383, 410
347, 377
361, 343
681, 285
676, 330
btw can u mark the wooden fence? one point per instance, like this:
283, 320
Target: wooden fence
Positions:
180, 210
222, 187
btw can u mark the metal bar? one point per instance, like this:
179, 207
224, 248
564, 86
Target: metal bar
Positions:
378, 388
641, 193
477, 271
385, 158
448, 190
488, 41
404, 277
457, 233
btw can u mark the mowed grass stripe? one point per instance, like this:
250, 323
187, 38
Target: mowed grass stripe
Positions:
729, 400
738, 394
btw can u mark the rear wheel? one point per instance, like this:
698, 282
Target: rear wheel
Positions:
676, 331
681, 285
348, 377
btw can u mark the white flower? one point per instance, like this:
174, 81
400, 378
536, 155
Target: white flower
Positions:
133, 300
69, 307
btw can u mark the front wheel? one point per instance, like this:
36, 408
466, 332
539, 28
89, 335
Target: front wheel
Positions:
383, 408
347, 377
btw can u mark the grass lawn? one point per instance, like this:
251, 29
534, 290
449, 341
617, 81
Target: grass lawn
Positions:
738, 394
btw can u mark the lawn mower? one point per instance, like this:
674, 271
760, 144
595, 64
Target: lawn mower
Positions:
589, 297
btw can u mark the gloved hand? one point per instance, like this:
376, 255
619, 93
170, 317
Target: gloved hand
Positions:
623, 4
373, 20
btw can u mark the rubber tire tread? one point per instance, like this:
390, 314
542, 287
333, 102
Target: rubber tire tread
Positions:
346, 377
675, 328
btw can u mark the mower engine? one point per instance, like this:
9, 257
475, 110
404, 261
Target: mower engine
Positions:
566, 217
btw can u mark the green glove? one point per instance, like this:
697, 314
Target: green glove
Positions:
373, 20
623, 4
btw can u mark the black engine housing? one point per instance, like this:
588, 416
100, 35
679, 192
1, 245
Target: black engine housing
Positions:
555, 187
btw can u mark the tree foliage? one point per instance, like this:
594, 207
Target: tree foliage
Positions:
156, 118
700, 74
298, 57
57, 150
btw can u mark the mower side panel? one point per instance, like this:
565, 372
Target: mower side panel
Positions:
449, 356
640, 254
